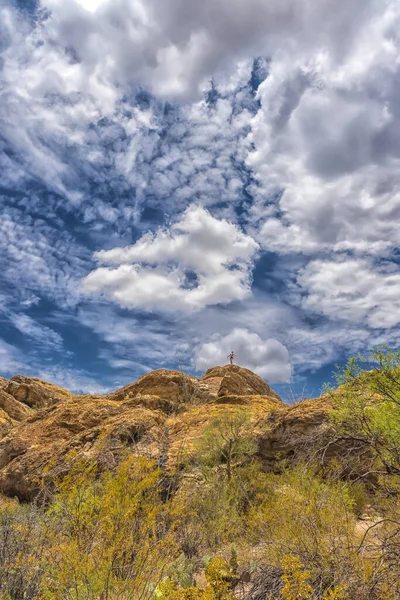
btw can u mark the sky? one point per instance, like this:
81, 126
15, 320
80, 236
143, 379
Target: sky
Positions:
179, 179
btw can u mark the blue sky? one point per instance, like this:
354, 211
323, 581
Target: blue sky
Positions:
181, 179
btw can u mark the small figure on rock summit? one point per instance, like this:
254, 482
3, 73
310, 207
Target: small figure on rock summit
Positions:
231, 356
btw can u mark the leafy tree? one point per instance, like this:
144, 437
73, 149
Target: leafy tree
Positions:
366, 415
108, 536
226, 441
366, 424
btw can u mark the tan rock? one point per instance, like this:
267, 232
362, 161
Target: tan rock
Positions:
171, 386
290, 430
161, 415
45, 445
15, 409
35, 392
3, 382
235, 380
6, 423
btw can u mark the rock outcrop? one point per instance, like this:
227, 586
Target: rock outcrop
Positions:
35, 392
172, 388
15, 410
45, 428
6, 424
234, 380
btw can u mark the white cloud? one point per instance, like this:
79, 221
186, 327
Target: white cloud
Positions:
326, 144
37, 257
354, 290
198, 262
74, 380
173, 47
324, 163
10, 360
269, 358
46, 337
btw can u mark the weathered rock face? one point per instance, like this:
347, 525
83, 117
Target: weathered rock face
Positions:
235, 380
35, 392
173, 387
13, 408
293, 429
6, 424
45, 445
3, 382
45, 427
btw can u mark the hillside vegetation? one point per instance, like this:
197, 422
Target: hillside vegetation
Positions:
212, 489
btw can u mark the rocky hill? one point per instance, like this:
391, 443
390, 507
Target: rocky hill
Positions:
43, 427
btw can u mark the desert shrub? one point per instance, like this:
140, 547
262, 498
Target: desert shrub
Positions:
105, 536
23, 546
366, 415
210, 508
226, 442
296, 583
109, 537
366, 424
212, 511
296, 580
207, 514
220, 580
308, 518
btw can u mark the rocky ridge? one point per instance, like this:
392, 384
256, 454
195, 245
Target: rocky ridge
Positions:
43, 427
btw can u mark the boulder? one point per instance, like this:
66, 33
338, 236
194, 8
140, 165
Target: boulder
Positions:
172, 386
235, 380
14, 409
35, 392
6, 423
45, 446
293, 431
161, 415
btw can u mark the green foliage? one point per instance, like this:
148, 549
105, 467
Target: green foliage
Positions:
220, 579
109, 534
304, 516
181, 571
296, 580
366, 424
226, 441
367, 410
117, 536
214, 511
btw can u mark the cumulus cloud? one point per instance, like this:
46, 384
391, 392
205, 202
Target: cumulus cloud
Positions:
173, 47
326, 150
308, 164
198, 262
353, 290
269, 358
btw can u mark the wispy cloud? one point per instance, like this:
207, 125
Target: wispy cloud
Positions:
40, 334
212, 168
